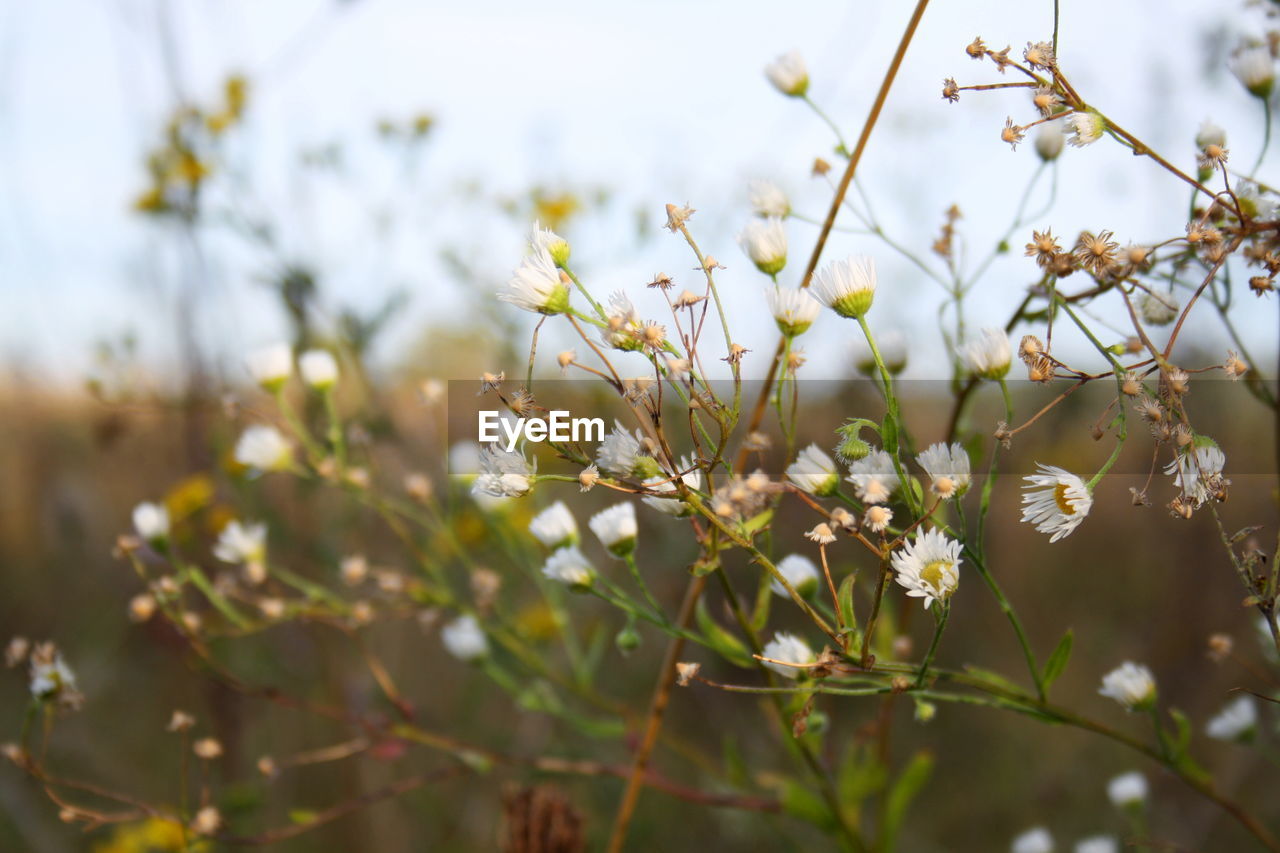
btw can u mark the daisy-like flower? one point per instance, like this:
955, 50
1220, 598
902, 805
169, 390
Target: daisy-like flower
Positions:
1255, 68
1130, 684
789, 648
788, 74
1253, 203
873, 477
1210, 134
1158, 309
319, 369
1197, 472
1097, 844
264, 448
1034, 840
847, 287
1237, 721
151, 521
623, 323
989, 357
242, 544
794, 310
814, 472
893, 351
51, 678
1056, 501
877, 518
1049, 141
546, 240
619, 454
928, 567
536, 286
800, 572
464, 639
1085, 128
768, 200
1127, 790
504, 474
665, 485
765, 242
568, 566
270, 366
616, 528
555, 526
948, 468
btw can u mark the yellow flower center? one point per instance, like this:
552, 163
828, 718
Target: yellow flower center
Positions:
934, 574
1060, 498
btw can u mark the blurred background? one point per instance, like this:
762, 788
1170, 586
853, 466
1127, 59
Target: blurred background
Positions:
183, 182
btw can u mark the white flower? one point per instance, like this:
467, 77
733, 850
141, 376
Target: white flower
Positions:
788, 74
1049, 141
555, 526
989, 357
1097, 844
504, 474
1127, 789
242, 543
873, 477
877, 518
464, 460
1254, 68
536, 286
271, 366
768, 199
847, 287
928, 567
546, 240
1197, 472
765, 242
1035, 840
665, 485
790, 648
800, 572
1055, 501
464, 639
1237, 721
1158, 309
619, 453
319, 368
814, 472
50, 675
1130, 684
1253, 203
794, 310
569, 567
948, 468
623, 323
1211, 134
151, 521
264, 448
1085, 128
893, 351
616, 528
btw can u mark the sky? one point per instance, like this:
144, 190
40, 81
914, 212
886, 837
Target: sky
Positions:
659, 102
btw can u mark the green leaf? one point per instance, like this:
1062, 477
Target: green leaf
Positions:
994, 678
799, 802
1057, 661
756, 523
845, 596
862, 775
1182, 736
904, 790
721, 641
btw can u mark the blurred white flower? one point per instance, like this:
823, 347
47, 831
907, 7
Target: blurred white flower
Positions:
1197, 472
1237, 721
1098, 844
536, 286
271, 366
1127, 789
616, 528
623, 323
1055, 501
1255, 68
546, 240
790, 648
1085, 128
948, 468
928, 567
464, 639
1158, 309
873, 477
665, 485
847, 287
568, 566
555, 526
814, 472
503, 474
51, 678
800, 572
988, 357
242, 543
1035, 840
764, 241
319, 368
264, 448
1211, 134
151, 521
768, 199
788, 74
1049, 141
1130, 684
619, 453
794, 310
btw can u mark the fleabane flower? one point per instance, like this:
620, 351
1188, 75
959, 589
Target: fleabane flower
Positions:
873, 477
464, 639
536, 286
928, 567
1130, 684
616, 528
847, 287
1238, 721
1056, 501
1034, 840
504, 474
800, 572
1158, 309
151, 521
242, 544
264, 448
663, 484
1085, 128
555, 526
1210, 134
619, 454
623, 324
814, 472
569, 567
793, 309
768, 200
1255, 68
546, 240
764, 241
270, 366
989, 356
1127, 790
319, 369
948, 467
789, 648
788, 74
51, 678
1197, 472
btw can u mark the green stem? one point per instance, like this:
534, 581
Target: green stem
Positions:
939, 627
